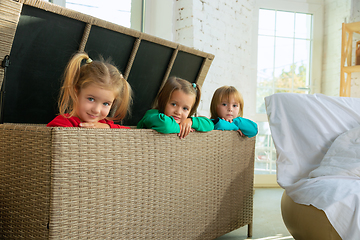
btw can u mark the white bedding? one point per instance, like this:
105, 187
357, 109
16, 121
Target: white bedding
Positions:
342, 158
303, 128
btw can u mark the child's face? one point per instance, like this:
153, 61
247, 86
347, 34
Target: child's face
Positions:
94, 103
179, 105
228, 109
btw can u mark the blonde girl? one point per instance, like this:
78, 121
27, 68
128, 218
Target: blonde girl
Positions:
226, 110
90, 91
174, 106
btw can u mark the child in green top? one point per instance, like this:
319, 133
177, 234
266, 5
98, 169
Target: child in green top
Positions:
176, 102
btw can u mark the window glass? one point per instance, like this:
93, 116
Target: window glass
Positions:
283, 65
265, 154
284, 51
303, 25
265, 64
267, 22
302, 63
115, 11
284, 24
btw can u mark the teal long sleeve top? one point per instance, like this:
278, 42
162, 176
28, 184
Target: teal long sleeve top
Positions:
164, 124
247, 127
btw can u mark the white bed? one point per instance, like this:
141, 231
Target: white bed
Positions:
303, 128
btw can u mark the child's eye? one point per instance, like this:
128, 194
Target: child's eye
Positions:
91, 99
173, 104
106, 104
224, 104
235, 105
186, 109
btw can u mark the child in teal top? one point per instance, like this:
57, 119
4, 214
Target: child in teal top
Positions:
176, 102
226, 110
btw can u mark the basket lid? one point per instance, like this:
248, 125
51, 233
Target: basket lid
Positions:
44, 38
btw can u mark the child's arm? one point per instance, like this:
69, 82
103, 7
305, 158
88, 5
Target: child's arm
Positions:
62, 121
191, 124
247, 127
221, 124
102, 124
112, 124
94, 125
159, 122
202, 124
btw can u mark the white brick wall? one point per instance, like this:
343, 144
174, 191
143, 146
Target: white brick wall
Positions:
223, 28
355, 77
335, 13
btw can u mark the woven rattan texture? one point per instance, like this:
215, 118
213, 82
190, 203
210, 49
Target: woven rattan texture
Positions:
123, 184
9, 17
24, 181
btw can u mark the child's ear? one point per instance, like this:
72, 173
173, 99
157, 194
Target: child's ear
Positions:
77, 90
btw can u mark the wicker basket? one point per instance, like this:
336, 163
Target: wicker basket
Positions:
71, 183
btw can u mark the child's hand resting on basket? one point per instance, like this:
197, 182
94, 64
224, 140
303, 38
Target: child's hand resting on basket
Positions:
185, 128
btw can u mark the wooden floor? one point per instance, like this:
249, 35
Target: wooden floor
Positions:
268, 223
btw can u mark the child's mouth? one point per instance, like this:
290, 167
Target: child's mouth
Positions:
177, 119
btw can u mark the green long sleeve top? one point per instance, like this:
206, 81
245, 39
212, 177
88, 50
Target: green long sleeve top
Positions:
164, 124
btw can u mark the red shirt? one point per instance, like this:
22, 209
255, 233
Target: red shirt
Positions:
62, 121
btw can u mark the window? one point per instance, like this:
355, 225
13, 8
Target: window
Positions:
284, 50
288, 59
283, 65
126, 13
115, 11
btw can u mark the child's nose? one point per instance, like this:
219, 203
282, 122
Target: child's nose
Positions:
96, 108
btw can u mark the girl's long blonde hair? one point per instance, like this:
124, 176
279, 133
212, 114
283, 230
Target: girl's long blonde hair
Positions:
176, 83
102, 73
225, 93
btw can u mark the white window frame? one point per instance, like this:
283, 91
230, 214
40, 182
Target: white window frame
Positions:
314, 7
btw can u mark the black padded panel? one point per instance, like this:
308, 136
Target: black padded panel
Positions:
43, 44
187, 66
146, 76
110, 44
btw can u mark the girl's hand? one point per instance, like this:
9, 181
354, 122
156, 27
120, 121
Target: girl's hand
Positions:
185, 128
94, 125
228, 120
240, 132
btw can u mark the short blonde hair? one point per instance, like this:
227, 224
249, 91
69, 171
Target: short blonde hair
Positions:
101, 73
176, 83
225, 93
